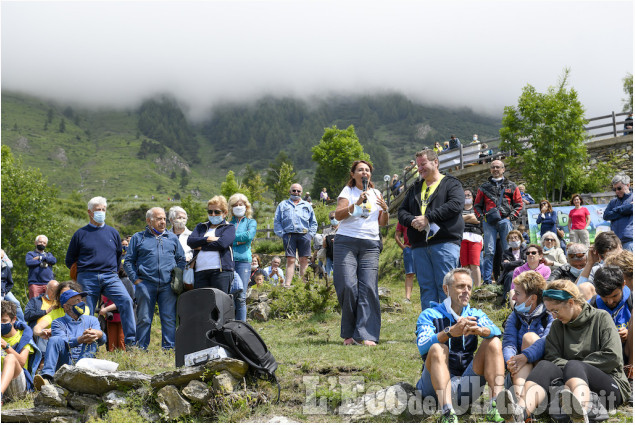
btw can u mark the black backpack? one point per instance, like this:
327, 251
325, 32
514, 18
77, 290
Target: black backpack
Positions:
243, 342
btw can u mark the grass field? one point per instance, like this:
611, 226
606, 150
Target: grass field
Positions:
309, 350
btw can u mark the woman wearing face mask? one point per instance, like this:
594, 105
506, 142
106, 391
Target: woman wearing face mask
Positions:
472, 243
178, 218
534, 263
553, 256
582, 350
213, 239
525, 330
513, 257
245, 233
547, 218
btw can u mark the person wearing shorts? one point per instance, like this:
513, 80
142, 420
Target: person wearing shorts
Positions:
472, 243
447, 338
408, 259
295, 223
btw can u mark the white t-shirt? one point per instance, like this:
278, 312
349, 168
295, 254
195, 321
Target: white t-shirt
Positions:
358, 227
208, 260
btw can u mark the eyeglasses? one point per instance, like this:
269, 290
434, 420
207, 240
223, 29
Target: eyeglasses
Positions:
532, 252
554, 313
615, 189
295, 191
543, 203
578, 255
549, 240
214, 212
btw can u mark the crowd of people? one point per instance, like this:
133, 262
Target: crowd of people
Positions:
570, 328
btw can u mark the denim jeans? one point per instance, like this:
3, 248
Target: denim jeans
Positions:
58, 354
244, 272
10, 297
148, 294
355, 274
95, 284
502, 228
329, 266
432, 262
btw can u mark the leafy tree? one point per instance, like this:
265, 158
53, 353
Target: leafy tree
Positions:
335, 153
62, 127
230, 185
547, 132
257, 188
273, 173
28, 211
286, 178
196, 211
628, 90
49, 116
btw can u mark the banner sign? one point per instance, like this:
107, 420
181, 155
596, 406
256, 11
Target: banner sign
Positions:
597, 225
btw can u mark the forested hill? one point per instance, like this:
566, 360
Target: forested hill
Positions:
154, 149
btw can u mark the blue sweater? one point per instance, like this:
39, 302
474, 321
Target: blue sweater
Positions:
513, 337
152, 258
245, 233
39, 275
621, 314
547, 224
95, 249
620, 213
69, 330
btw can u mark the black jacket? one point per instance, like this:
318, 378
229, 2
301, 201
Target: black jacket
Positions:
226, 234
445, 208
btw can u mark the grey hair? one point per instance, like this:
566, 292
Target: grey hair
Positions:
448, 279
97, 200
546, 235
621, 178
174, 211
41, 236
577, 248
277, 258
150, 214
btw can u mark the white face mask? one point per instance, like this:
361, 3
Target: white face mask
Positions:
179, 223
239, 211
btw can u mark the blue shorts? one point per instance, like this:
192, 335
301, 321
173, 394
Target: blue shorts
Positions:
465, 388
408, 260
300, 242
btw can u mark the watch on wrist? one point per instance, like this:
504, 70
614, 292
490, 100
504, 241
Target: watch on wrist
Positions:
447, 331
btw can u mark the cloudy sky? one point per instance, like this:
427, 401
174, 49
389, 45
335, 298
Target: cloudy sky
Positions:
458, 53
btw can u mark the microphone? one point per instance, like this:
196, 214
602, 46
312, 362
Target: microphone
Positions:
365, 183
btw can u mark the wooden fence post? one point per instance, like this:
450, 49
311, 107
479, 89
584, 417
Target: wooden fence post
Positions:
614, 125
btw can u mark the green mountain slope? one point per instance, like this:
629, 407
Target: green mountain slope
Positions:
124, 153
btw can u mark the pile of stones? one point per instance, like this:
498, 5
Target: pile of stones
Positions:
80, 395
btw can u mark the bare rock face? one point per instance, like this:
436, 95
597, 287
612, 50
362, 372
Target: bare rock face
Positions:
197, 391
114, 399
37, 414
51, 395
237, 368
260, 312
224, 382
172, 404
178, 377
97, 381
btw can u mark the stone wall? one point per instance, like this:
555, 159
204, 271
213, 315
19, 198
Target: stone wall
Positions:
618, 151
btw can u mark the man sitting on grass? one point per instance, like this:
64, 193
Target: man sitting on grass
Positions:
74, 336
447, 337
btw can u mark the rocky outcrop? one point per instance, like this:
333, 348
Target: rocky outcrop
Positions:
93, 381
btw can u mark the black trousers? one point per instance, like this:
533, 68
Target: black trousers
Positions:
214, 279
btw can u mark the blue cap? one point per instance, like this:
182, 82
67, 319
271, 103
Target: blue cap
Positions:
67, 295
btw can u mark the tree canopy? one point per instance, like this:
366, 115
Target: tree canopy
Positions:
334, 155
546, 130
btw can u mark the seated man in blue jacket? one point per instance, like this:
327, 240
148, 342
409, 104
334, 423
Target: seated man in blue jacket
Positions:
74, 336
447, 337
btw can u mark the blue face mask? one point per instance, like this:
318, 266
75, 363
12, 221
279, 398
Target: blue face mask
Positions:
334, 222
79, 308
522, 308
545, 249
215, 219
295, 197
6, 328
574, 271
99, 216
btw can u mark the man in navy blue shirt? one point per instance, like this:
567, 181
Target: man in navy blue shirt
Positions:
96, 249
39, 263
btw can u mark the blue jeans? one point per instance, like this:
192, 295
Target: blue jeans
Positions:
628, 246
329, 266
58, 354
10, 297
244, 272
109, 284
147, 295
355, 274
465, 388
502, 228
431, 265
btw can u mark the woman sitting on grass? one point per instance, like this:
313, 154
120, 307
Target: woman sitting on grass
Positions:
583, 350
525, 330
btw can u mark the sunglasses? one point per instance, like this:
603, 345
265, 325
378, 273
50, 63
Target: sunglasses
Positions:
296, 191
549, 240
615, 189
579, 255
532, 252
214, 212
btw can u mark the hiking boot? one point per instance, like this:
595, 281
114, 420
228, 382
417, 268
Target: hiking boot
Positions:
508, 408
449, 417
493, 415
570, 405
39, 381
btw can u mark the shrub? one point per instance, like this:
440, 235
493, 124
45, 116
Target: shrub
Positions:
302, 298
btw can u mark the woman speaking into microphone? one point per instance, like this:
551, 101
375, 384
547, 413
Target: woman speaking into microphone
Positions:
360, 210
